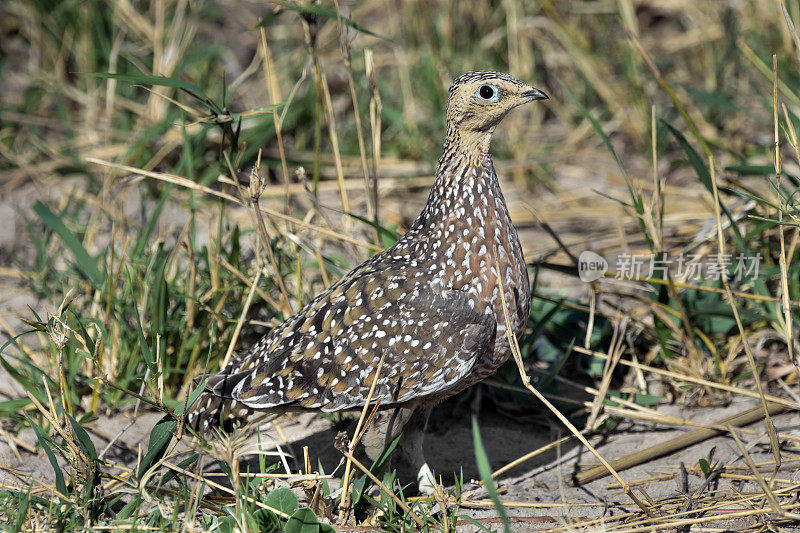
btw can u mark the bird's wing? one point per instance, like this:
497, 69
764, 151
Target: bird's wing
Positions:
327, 355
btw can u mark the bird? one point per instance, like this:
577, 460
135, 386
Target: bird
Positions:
429, 307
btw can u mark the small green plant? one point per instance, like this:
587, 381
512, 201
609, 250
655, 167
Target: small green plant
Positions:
707, 464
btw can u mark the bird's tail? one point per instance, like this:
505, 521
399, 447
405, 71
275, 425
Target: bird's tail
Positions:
212, 412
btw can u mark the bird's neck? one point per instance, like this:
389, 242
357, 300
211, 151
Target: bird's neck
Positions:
465, 178
463, 144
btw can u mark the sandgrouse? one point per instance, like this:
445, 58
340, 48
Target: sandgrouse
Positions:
429, 305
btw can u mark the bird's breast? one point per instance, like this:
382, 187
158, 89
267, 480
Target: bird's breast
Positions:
465, 254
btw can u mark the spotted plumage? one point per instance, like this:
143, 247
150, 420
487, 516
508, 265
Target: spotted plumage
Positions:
429, 305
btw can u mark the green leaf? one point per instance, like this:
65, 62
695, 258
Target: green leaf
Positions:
599, 129
61, 487
192, 397
85, 442
556, 367
266, 521
226, 524
486, 474
144, 235
647, 400
131, 508
752, 170
25, 378
363, 484
326, 489
704, 466
146, 353
85, 262
160, 437
158, 303
388, 236
636, 199
282, 499
10, 407
36, 325
759, 170
24, 503
302, 521
144, 79
704, 176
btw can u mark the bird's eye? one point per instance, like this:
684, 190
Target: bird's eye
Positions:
488, 92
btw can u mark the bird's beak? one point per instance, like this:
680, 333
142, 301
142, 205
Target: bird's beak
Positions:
531, 94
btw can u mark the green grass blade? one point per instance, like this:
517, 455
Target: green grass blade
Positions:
85, 261
599, 129
12, 407
704, 176
144, 236
158, 304
636, 199
363, 484
169, 475
195, 394
486, 474
61, 486
160, 437
84, 441
24, 500
25, 379
556, 367
146, 352
388, 236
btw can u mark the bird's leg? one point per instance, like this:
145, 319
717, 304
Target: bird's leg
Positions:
384, 428
408, 455
411, 453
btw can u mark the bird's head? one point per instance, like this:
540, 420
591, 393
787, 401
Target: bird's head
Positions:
478, 101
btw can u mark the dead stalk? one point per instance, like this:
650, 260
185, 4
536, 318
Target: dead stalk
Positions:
375, 127
691, 379
773, 502
258, 221
787, 312
356, 438
245, 309
345, 49
748, 351
616, 349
